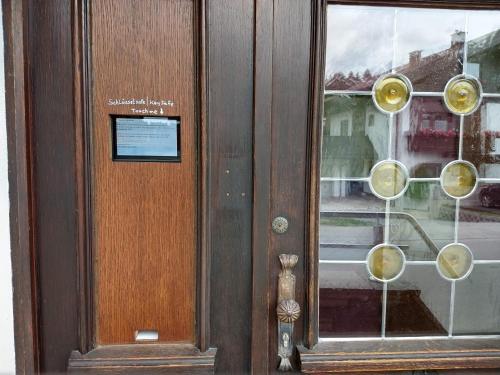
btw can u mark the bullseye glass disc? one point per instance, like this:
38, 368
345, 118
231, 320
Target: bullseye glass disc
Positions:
391, 93
385, 262
388, 179
459, 179
462, 94
454, 261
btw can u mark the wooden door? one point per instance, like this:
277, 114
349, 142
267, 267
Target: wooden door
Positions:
136, 256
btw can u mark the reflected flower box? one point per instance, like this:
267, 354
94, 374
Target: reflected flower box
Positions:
443, 142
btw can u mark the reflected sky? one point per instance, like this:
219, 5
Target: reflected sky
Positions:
384, 38
359, 48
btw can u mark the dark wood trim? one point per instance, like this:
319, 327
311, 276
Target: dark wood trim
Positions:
82, 118
458, 4
261, 218
143, 359
15, 16
204, 241
318, 37
369, 356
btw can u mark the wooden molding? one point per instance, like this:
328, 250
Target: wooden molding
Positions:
369, 356
20, 189
316, 88
143, 359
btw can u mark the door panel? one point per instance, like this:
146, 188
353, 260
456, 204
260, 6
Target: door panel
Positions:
145, 251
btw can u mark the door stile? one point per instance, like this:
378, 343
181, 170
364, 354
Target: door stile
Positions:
318, 39
83, 118
15, 21
262, 156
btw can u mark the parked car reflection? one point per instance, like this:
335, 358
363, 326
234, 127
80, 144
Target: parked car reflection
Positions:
489, 195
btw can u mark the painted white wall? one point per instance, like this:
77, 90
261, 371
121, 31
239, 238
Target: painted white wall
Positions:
7, 365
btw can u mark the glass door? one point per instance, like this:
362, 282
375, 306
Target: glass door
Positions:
410, 175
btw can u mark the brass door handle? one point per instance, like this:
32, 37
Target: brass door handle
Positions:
287, 311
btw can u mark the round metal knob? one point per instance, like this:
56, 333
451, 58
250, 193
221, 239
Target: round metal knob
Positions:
288, 311
280, 225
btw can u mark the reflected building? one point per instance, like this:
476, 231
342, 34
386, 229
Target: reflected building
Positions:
426, 134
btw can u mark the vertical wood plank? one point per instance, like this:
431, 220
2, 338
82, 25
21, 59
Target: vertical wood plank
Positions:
290, 111
18, 147
230, 110
53, 174
262, 183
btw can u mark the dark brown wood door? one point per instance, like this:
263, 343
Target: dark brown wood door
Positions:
135, 256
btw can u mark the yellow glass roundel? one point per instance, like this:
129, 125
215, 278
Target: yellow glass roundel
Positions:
391, 93
388, 179
385, 262
459, 179
454, 261
462, 94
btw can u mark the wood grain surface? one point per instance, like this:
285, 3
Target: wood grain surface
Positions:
144, 212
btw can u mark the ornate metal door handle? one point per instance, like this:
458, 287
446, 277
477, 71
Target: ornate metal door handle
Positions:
288, 310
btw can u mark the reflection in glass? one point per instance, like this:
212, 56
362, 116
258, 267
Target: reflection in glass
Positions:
418, 303
436, 55
477, 302
355, 60
349, 303
479, 218
428, 47
454, 261
355, 136
385, 262
351, 221
426, 137
422, 221
483, 49
482, 138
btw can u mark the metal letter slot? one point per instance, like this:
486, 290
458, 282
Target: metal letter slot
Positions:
288, 310
146, 335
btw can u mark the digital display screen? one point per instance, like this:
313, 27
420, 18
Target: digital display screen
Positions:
146, 138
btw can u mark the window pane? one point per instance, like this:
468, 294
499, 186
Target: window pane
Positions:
427, 137
350, 303
479, 217
349, 68
418, 304
481, 135
483, 49
422, 221
477, 302
351, 146
410, 184
436, 55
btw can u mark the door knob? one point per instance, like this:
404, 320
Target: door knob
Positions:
287, 311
